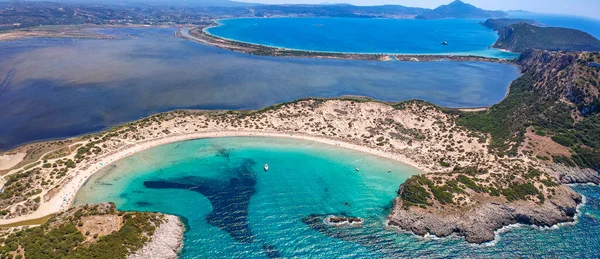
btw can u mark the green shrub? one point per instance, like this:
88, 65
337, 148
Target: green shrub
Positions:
413, 192
444, 163
518, 191
470, 183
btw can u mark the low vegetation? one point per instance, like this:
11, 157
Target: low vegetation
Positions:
60, 237
575, 125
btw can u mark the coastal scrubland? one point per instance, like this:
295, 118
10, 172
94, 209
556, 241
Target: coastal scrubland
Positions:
88, 231
557, 98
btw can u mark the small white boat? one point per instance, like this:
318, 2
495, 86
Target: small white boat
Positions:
357, 169
266, 167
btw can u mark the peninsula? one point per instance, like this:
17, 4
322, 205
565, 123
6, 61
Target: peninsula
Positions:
518, 35
482, 170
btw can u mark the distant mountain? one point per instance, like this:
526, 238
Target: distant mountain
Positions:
338, 10
523, 36
459, 9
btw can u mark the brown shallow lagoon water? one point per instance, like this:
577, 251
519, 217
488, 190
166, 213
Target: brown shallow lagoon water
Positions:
54, 88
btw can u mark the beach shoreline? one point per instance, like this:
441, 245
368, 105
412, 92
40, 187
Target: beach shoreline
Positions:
65, 198
201, 35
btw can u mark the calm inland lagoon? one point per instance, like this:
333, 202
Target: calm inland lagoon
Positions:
56, 88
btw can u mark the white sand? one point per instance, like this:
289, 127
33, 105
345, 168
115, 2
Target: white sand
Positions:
9, 160
64, 198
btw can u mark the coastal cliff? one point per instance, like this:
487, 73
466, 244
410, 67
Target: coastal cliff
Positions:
574, 175
166, 242
484, 215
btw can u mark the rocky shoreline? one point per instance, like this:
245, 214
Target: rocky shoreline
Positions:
478, 224
166, 242
574, 175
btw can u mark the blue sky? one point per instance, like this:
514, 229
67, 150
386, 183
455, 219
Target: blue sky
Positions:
590, 8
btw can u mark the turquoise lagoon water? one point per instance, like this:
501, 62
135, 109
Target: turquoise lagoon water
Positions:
356, 35
233, 209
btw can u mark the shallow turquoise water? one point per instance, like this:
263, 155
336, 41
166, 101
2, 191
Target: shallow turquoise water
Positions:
358, 35
234, 209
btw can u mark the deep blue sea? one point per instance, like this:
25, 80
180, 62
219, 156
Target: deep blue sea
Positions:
234, 209
55, 88
359, 35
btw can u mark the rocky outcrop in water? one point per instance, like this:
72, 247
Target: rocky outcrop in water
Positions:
341, 221
478, 221
166, 243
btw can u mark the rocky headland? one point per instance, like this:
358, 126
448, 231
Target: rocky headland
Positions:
479, 221
549, 117
519, 35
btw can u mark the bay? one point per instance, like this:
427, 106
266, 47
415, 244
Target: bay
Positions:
234, 209
359, 35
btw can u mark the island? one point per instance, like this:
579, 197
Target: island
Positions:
482, 170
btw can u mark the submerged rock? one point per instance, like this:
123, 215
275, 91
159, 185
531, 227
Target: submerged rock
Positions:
229, 198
